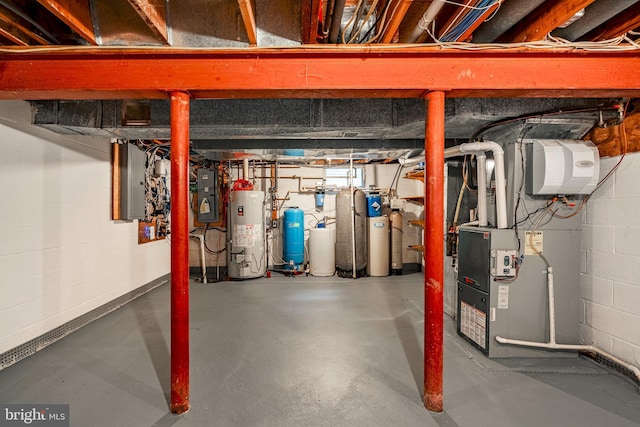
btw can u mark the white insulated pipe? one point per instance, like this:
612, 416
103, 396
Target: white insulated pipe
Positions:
426, 19
553, 345
498, 157
482, 189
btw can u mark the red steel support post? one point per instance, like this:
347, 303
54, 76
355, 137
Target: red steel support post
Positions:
434, 251
179, 252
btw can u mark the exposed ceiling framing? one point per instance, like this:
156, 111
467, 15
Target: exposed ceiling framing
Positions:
279, 49
240, 21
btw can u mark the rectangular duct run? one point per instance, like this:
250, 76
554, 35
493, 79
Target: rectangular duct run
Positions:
29, 348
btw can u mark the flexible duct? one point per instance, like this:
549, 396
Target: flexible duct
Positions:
498, 157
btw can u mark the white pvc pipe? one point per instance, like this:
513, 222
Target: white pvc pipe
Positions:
553, 345
498, 157
426, 20
201, 237
482, 189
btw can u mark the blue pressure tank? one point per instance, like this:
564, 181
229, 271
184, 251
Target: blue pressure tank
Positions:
293, 248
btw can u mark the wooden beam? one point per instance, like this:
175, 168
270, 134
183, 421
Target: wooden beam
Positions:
153, 13
10, 33
76, 14
248, 12
544, 19
319, 72
11, 20
310, 10
625, 21
400, 8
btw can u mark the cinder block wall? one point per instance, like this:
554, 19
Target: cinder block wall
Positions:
60, 253
610, 279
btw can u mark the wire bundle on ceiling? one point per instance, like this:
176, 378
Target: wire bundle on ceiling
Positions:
466, 17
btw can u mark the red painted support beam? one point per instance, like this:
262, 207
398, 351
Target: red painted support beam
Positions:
433, 251
179, 252
330, 72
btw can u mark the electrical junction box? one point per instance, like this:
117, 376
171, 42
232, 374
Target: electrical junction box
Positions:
558, 166
207, 207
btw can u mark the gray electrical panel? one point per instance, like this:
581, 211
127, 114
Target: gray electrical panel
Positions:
492, 301
132, 162
207, 210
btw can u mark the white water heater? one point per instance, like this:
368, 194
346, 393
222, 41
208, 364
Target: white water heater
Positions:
246, 255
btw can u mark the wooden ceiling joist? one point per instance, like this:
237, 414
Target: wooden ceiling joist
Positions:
12, 21
248, 12
153, 13
329, 72
76, 14
544, 19
399, 9
310, 10
625, 21
11, 34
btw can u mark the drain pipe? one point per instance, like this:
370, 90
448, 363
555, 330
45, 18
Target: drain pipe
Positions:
426, 20
553, 345
498, 156
201, 237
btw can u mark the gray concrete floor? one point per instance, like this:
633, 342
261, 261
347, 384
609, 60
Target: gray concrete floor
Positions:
305, 351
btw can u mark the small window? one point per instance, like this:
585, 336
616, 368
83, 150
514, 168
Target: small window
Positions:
339, 177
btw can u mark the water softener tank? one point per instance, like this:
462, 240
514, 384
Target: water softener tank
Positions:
293, 229
322, 251
378, 229
395, 219
246, 256
347, 221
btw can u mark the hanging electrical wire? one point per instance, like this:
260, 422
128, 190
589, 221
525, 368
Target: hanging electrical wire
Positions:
466, 18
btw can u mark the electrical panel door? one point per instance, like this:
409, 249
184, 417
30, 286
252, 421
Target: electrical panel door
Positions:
132, 164
207, 208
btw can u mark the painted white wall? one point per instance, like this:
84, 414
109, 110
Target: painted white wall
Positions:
610, 270
60, 253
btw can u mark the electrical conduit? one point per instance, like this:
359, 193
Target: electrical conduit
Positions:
426, 20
